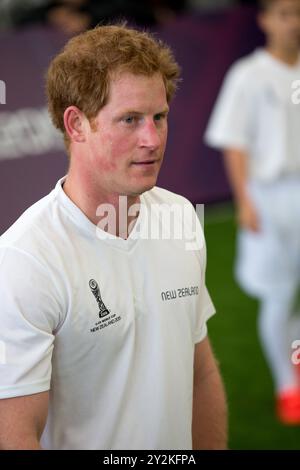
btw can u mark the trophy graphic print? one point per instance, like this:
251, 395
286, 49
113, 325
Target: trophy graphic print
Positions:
103, 310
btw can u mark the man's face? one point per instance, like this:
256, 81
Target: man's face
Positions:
281, 23
127, 139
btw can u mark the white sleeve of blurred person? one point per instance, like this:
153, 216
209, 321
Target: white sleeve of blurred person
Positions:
9, 8
229, 124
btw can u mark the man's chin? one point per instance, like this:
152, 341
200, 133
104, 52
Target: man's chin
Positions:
146, 184
141, 189
144, 189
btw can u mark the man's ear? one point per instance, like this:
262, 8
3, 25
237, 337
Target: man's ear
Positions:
262, 21
74, 121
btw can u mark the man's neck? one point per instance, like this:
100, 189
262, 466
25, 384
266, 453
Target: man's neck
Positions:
289, 56
108, 211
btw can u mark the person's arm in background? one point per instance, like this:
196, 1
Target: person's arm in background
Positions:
230, 130
236, 162
209, 427
22, 421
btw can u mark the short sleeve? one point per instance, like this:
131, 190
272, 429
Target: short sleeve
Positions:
205, 305
230, 121
29, 315
207, 310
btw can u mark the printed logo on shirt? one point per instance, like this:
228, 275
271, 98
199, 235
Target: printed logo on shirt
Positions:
106, 318
178, 293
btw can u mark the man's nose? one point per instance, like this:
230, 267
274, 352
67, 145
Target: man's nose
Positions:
150, 137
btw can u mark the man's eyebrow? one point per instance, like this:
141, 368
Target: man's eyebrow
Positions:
164, 111
131, 111
139, 113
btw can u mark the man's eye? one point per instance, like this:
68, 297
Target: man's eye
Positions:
129, 119
159, 117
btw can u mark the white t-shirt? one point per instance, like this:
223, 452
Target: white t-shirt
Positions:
255, 112
107, 325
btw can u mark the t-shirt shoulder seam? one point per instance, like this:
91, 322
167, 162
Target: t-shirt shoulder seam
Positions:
38, 386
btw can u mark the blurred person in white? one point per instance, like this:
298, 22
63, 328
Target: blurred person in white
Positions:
104, 326
257, 126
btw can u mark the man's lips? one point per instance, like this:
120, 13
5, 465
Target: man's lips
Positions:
145, 162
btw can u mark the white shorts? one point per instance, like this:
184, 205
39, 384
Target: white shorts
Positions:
270, 258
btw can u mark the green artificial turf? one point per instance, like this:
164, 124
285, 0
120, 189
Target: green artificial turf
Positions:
252, 422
